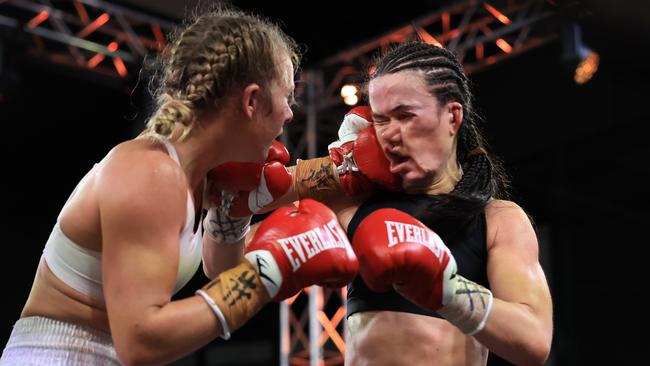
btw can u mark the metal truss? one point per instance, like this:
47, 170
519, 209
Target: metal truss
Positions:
481, 33
312, 334
89, 34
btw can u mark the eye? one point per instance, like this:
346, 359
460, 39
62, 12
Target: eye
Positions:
291, 99
380, 120
405, 116
382, 123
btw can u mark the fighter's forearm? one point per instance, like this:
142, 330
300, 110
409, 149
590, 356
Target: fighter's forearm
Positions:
313, 178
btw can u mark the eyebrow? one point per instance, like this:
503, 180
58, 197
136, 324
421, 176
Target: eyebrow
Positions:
396, 109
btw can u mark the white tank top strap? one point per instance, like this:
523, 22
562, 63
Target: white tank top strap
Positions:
190, 242
171, 150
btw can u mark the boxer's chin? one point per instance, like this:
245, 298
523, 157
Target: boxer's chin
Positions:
415, 182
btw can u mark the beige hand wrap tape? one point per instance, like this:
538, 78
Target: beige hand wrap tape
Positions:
316, 178
238, 294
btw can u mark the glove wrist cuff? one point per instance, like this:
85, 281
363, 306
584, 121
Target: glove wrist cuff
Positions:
469, 307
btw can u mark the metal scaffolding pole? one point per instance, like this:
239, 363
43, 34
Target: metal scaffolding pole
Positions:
89, 34
481, 33
315, 294
311, 334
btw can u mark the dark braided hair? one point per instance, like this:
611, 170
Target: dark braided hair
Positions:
483, 176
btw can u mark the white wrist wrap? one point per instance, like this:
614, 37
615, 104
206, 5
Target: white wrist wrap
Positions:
469, 307
225, 229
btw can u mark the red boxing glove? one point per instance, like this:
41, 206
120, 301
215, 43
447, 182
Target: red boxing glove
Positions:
254, 185
298, 247
360, 162
397, 251
278, 152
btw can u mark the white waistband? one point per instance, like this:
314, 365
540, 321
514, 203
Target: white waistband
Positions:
45, 341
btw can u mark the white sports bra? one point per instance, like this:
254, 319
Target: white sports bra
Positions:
81, 268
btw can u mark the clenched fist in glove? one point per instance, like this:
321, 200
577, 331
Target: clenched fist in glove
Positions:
239, 190
360, 162
299, 247
397, 251
293, 248
356, 163
254, 185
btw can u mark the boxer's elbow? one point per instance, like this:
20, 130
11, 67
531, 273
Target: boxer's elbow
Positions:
143, 346
540, 350
535, 352
136, 355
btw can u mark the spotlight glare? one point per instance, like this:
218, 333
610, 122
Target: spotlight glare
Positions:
351, 99
587, 68
348, 89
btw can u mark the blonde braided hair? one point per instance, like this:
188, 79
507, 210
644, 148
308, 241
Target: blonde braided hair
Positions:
220, 51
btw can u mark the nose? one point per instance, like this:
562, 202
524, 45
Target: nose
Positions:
391, 134
289, 116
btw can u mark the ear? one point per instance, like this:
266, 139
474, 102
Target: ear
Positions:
250, 99
455, 115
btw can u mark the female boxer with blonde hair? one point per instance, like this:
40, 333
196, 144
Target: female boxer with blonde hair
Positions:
130, 236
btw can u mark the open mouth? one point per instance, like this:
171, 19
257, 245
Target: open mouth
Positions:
396, 161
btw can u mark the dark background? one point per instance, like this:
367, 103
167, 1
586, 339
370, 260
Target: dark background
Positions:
578, 156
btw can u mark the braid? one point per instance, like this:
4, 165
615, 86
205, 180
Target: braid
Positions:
218, 52
482, 175
170, 112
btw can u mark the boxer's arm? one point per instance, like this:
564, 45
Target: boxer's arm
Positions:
140, 235
223, 241
355, 166
218, 257
320, 183
520, 325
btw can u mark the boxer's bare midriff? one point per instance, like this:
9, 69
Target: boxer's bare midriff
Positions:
387, 338
52, 298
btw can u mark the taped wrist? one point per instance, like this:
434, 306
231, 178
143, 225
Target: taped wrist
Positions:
316, 179
469, 307
225, 229
235, 296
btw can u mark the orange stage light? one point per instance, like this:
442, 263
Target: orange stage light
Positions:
120, 67
479, 51
428, 38
38, 19
112, 47
504, 45
94, 25
95, 60
81, 10
497, 14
